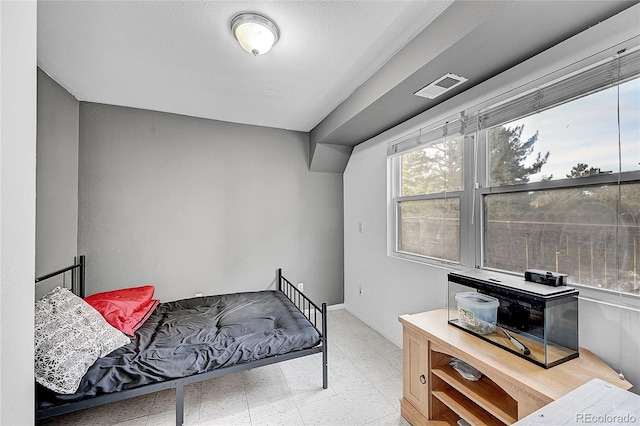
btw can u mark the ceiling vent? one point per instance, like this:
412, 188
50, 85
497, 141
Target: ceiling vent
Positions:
441, 85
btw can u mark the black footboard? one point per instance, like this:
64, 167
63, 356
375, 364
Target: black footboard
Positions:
315, 314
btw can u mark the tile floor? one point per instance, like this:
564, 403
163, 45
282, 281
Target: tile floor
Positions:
365, 385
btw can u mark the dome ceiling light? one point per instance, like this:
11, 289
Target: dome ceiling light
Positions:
256, 33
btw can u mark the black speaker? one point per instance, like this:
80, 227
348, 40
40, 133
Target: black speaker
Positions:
554, 279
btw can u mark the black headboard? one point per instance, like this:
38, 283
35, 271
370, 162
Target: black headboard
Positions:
78, 270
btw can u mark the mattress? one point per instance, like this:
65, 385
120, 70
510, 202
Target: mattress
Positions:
197, 335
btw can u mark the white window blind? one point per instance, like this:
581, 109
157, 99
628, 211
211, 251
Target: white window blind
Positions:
452, 126
618, 69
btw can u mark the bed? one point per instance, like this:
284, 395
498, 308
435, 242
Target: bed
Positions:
174, 344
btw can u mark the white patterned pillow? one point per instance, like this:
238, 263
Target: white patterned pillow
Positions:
69, 336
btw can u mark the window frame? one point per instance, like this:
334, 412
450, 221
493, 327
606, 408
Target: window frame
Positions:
476, 172
465, 251
484, 188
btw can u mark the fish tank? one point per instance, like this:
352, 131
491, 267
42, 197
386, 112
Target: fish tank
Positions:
535, 321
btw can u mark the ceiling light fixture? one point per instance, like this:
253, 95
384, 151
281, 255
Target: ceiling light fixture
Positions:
256, 33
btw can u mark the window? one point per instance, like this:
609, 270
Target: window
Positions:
547, 179
429, 189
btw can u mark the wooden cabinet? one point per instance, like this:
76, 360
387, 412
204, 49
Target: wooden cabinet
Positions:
510, 388
414, 383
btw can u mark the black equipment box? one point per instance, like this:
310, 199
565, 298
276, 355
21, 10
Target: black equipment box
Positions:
540, 276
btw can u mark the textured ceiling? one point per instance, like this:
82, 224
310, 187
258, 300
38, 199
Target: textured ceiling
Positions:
180, 56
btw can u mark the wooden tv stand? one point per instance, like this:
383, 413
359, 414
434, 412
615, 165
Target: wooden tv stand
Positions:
510, 389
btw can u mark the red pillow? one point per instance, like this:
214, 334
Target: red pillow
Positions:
125, 309
139, 317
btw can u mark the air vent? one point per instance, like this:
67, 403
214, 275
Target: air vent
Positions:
441, 85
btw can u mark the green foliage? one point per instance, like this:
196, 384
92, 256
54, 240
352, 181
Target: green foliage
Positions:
507, 154
583, 170
433, 169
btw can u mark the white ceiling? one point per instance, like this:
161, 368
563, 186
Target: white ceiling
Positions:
181, 57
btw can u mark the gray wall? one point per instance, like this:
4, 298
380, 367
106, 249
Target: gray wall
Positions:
56, 178
17, 209
201, 206
392, 287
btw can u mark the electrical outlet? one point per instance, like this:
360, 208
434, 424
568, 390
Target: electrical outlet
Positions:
301, 287
360, 227
198, 294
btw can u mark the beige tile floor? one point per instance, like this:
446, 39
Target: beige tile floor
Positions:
365, 385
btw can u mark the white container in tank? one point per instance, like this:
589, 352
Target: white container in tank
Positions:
477, 311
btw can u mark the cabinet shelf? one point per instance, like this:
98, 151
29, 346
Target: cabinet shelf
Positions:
445, 419
465, 408
484, 392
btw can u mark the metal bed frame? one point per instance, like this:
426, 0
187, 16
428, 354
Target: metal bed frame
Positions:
316, 315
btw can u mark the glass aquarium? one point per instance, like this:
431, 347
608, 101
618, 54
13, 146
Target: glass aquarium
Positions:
534, 321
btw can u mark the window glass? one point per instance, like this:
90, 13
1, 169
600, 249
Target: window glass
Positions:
430, 228
575, 139
582, 232
433, 169
630, 125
